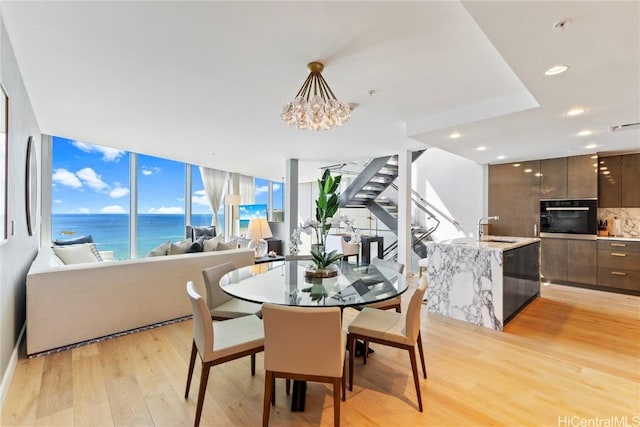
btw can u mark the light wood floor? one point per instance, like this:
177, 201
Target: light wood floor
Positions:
573, 354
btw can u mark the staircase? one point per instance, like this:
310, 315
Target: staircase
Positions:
364, 192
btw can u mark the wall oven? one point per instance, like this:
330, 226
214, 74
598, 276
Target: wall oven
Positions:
575, 219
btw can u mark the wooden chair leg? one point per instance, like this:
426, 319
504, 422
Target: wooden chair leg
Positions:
424, 369
192, 362
366, 352
273, 394
268, 389
204, 378
416, 380
344, 380
253, 365
336, 402
287, 385
352, 349
398, 309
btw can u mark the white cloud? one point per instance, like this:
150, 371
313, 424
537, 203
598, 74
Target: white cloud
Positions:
118, 192
92, 179
64, 177
243, 210
200, 198
113, 209
262, 189
276, 186
149, 170
81, 210
108, 154
57, 201
165, 210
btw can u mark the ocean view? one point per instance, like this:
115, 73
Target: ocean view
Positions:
110, 232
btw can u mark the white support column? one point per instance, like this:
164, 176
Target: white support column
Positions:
46, 161
187, 193
133, 205
290, 200
404, 209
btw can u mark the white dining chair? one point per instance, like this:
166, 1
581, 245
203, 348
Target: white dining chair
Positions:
219, 342
221, 305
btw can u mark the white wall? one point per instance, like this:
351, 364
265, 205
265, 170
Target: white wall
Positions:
18, 251
454, 185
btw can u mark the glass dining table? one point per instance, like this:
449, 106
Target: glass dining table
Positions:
286, 283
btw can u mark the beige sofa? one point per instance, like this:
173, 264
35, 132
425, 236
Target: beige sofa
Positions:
67, 304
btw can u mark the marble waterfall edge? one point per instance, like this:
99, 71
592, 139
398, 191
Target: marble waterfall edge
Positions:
466, 283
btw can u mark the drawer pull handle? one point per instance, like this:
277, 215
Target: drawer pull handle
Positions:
619, 245
618, 273
618, 254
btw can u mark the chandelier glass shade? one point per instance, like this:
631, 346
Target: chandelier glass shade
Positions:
315, 106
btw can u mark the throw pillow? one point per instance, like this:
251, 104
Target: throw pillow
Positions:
95, 251
75, 241
160, 250
225, 246
76, 254
196, 246
212, 244
179, 247
204, 231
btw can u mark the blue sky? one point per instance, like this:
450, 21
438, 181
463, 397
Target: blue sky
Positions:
89, 178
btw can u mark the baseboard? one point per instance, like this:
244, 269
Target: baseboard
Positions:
11, 368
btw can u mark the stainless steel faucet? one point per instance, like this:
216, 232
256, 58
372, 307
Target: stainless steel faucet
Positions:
496, 217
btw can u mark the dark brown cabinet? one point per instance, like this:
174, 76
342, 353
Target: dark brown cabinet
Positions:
582, 177
618, 179
553, 179
553, 259
514, 195
619, 265
582, 261
630, 168
569, 261
569, 178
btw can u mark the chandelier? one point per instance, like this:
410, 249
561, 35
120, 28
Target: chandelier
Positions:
320, 110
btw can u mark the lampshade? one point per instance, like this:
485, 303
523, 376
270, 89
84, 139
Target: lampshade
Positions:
259, 229
232, 199
315, 106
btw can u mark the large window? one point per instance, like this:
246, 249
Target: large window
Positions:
161, 196
90, 194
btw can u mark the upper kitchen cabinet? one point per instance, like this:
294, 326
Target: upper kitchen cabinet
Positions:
630, 165
582, 177
514, 195
618, 180
569, 178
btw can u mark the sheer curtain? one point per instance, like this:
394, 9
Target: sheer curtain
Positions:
215, 183
247, 190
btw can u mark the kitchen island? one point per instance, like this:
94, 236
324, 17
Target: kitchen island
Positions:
482, 282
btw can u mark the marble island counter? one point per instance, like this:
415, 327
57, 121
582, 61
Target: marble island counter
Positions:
482, 282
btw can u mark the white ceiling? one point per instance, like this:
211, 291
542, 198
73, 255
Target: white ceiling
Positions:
204, 82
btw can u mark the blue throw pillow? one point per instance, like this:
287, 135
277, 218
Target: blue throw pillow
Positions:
77, 240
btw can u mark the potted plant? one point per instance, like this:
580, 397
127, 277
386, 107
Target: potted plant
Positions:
326, 207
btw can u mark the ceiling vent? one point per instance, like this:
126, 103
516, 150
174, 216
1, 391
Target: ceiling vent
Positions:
617, 128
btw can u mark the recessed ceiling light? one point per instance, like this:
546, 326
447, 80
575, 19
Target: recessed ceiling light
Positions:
585, 132
606, 172
455, 135
576, 111
538, 174
591, 146
481, 148
556, 69
604, 168
500, 157
516, 165
528, 170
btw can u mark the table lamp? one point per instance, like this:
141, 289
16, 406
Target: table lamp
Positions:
257, 232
